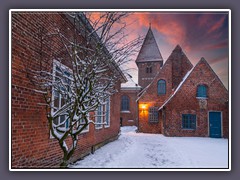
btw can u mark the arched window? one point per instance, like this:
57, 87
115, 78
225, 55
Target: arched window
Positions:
161, 87
125, 103
202, 91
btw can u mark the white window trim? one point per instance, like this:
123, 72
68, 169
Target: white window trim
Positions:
109, 120
125, 111
97, 126
55, 64
86, 129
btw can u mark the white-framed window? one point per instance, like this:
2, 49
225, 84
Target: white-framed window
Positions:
82, 122
60, 72
107, 113
102, 115
153, 115
99, 117
64, 73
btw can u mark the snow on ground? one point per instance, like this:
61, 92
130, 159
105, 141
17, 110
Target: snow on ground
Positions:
140, 150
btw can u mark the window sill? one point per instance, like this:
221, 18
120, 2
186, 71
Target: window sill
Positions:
125, 111
201, 97
99, 127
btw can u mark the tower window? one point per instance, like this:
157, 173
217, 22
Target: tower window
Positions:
148, 69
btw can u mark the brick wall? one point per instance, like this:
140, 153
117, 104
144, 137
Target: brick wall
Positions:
32, 146
169, 74
130, 117
185, 102
145, 78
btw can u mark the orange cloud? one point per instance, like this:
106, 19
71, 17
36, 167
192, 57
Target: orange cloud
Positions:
168, 26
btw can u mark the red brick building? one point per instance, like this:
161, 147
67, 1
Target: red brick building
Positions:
178, 99
129, 107
31, 143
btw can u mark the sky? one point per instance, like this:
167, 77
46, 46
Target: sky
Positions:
199, 34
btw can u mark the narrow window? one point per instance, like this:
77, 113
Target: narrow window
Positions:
161, 87
150, 70
62, 76
188, 121
107, 114
99, 117
202, 91
153, 115
125, 103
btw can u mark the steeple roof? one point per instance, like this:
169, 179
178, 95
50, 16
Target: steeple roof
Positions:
149, 50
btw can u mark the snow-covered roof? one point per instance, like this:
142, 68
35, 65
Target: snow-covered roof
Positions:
149, 51
130, 84
179, 86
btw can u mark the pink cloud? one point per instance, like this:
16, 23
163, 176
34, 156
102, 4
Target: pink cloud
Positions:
222, 44
168, 26
217, 25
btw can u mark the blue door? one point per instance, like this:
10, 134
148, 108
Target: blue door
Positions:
215, 124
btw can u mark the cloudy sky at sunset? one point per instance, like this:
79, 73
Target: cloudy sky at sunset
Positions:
199, 35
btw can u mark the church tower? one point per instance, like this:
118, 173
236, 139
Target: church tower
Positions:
149, 60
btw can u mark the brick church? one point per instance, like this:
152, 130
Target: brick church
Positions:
174, 98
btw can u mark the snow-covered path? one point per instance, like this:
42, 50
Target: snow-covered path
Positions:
139, 150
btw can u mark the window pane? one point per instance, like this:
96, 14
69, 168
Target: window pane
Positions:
125, 103
161, 87
189, 121
153, 114
61, 73
201, 91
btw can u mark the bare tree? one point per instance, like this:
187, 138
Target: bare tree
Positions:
78, 71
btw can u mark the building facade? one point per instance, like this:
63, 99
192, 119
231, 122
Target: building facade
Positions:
177, 98
32, 145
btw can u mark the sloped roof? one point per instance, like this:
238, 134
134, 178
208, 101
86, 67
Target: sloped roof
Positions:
179, 86
149, 50
202, 60
130, 84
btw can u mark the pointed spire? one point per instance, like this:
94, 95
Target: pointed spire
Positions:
177, 48
149, 50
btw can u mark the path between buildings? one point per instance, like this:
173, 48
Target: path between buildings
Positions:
140, 150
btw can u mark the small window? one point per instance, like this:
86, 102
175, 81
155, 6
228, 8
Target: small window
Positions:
202, 91
188, 121
153, 115
125, 103
149, 69
161, 87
